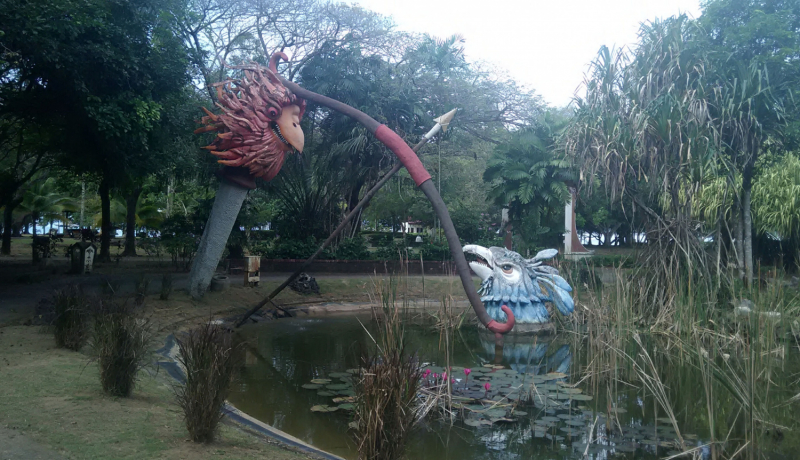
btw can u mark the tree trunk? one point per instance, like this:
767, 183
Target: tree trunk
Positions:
34, 218
105, 225
738, 246
748, 238
8, 223
130, 224
226, 207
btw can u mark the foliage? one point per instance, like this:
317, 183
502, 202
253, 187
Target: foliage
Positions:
207, 355
120, 342
386, 388
70, 324
179, 236
43, 200
528, 177
776, 199
352, 249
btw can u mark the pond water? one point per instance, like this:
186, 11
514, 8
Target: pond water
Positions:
284, 355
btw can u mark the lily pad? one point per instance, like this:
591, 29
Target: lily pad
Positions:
337, 386
326, 393
343, 399
324, 408
311, 386
347, 406
581, 397
321, 381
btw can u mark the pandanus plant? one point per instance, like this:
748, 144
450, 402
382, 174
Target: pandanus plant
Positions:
258, 125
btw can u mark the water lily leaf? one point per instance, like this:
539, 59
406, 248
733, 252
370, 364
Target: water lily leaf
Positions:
353, 371
472, 422
575, 423
347, 406
324, 408
321, 381
343, 399
502, 420
311, 386
581, 397
326, 393
337, 386
555, 376
519, 412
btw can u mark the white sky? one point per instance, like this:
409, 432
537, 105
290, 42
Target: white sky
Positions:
545, 45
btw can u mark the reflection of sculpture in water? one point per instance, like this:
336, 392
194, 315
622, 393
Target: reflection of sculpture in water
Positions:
514, 289
528, 354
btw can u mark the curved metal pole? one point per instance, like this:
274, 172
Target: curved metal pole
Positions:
423, 180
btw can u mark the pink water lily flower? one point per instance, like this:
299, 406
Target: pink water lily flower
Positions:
487, 386
444, 376
426, 373
467, 372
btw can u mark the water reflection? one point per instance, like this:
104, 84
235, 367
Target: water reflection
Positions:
528, 354
284, 355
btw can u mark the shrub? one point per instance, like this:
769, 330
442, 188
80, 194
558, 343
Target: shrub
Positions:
121, 342
435, 251
207, 355
166, 286
70, 325
386, 388
352, 249
142, 283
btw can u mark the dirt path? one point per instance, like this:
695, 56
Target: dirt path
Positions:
16, 446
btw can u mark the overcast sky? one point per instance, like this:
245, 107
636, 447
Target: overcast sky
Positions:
543, 44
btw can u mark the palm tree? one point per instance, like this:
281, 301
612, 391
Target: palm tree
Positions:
43, 200
528, 177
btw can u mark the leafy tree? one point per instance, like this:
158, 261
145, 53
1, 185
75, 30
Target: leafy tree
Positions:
528, 177
98, 74
43, 200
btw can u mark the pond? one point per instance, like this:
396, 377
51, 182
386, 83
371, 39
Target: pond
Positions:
624, 420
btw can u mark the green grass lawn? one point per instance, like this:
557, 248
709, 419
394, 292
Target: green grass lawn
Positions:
54, 397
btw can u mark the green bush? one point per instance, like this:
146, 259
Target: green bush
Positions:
435, 251
352, 249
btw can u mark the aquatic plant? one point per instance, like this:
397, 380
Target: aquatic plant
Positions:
385, 406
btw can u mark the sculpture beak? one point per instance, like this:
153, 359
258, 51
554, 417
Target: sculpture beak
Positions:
484, 267
289, 125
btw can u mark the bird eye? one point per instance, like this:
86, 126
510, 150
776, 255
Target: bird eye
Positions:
507, 268
273, 113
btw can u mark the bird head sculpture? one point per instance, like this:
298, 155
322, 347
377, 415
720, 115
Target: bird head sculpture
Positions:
259, 121
522, 285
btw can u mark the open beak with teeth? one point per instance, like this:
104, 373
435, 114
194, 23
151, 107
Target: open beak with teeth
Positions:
483, 266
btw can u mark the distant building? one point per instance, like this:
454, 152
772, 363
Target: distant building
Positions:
413, 226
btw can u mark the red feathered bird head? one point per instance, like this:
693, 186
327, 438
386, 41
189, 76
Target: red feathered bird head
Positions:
259, 122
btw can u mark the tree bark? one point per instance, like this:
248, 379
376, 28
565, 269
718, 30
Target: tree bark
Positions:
738, 244
8, 223
748, 238
130, 224
105, 225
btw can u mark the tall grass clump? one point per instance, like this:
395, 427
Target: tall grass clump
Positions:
208, 356
166, 286
121, 345
386, 388
70, 321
